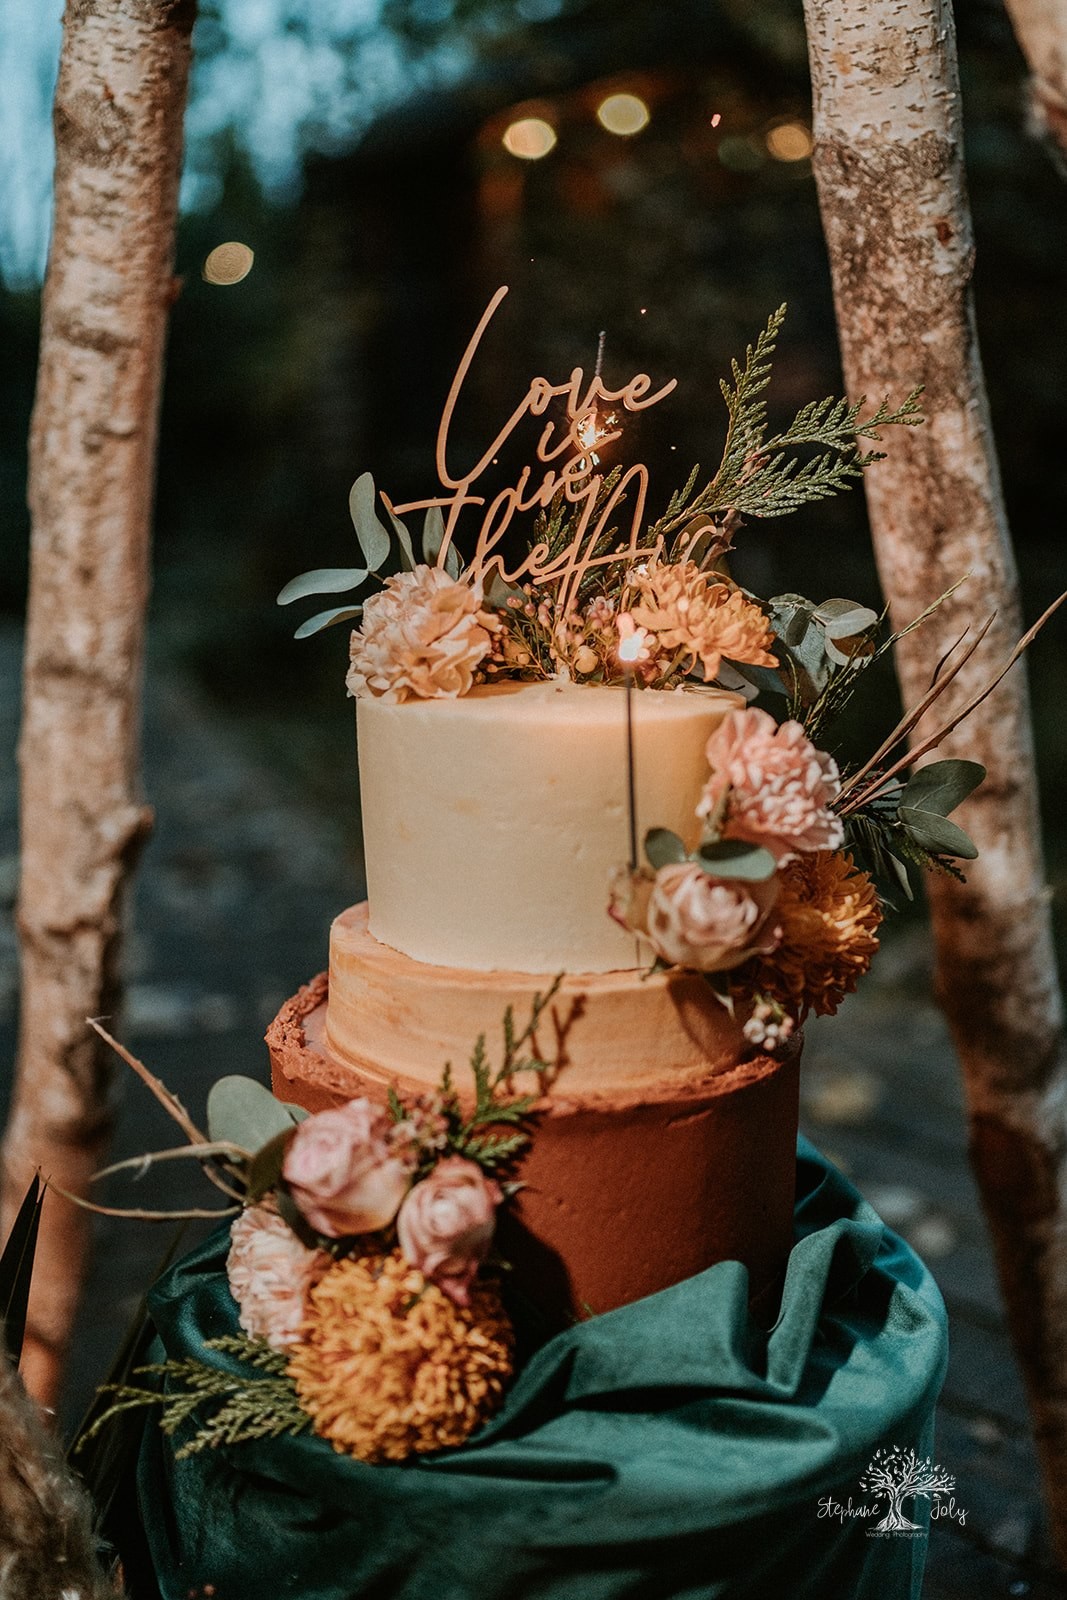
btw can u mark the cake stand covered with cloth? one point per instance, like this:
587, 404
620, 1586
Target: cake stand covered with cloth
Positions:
670, 1449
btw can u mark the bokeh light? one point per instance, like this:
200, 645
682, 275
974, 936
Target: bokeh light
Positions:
228, 263
789, 141
529, 138
623, 114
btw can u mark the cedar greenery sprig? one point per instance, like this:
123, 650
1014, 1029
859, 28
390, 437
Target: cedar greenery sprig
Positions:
244, 1407
492, 1132
763, 477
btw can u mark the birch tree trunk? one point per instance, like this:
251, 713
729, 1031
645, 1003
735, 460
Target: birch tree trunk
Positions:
888, 163
1041, 29
118, 123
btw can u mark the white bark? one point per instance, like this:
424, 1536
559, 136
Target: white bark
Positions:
118, 118
888, 162
1041, 29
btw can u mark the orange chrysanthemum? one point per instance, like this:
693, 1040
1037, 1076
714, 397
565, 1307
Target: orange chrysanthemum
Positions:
829, 915
390, 1367
686, 609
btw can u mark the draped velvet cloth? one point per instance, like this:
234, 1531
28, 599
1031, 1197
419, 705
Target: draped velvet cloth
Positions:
666, 1451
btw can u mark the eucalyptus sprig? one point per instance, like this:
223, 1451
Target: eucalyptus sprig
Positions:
376, 543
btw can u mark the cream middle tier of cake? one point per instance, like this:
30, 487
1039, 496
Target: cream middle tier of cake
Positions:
492, 823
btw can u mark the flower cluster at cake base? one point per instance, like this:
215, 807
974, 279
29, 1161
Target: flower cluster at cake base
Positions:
359, 1263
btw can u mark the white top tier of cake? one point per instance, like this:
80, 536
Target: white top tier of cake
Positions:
492, 823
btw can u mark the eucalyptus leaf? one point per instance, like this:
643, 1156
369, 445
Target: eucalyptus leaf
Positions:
843, 619
728, 677
265, 1167
433, 537
244, 1112
792, 616
935, 833
373, 537
900, 872
500, 591
942, 785
326, 619
323, 580
764, 680
845, 658
663, 848
403, 539
736, 858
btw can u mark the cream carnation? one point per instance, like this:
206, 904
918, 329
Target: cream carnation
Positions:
445, 1226
347, 1171
421, 638
711, 924
269, 1273
778, 787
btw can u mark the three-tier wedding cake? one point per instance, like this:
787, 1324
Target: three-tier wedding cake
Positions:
492, 823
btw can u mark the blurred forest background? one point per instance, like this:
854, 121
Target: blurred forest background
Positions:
360, 149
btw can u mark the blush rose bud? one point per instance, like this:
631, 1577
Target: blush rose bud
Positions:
345, 1172
446, 1225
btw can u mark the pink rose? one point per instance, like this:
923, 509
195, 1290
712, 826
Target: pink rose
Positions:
269, 1273
778, 787
711, 924
446, 1224
346, 1171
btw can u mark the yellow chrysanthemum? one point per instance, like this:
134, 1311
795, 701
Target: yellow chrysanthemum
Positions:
389, 1367
829, 915
686, 609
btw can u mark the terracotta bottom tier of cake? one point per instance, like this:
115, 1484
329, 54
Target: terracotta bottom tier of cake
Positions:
624, 1193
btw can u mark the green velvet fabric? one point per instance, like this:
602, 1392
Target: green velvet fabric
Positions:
667, 1451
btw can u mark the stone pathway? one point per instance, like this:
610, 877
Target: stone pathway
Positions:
233, 903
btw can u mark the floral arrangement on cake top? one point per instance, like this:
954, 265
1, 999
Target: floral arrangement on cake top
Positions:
778, 905
360, 1261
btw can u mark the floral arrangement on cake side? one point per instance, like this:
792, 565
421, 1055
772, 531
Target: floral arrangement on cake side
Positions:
780, 904
360, 1261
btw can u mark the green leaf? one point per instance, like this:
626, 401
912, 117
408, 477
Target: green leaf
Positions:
326, 619
736, 858
843, 619
500, 592
935, 833
265, 1167
433, 537
16, 1267
244, 1112
942, 785
403, 539
765, 679
373, 538
323, 580
663, 848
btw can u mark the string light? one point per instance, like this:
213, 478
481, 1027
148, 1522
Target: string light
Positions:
228, 263
789, 141
623, 114
529, 138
